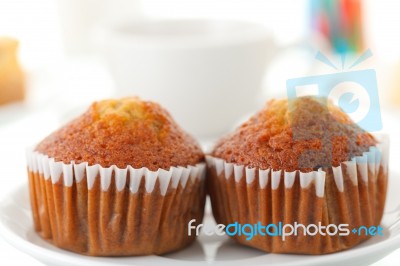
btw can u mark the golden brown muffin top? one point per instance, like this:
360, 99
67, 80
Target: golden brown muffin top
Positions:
304, 134
123, 132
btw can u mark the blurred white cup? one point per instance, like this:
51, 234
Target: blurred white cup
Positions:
80, 18
207, 73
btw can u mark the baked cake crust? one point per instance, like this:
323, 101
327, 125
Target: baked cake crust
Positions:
304, 134
123, 132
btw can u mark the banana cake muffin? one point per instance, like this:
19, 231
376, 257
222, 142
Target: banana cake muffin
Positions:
300, 161
121, 179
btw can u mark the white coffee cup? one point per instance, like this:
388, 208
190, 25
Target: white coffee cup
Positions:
207, 73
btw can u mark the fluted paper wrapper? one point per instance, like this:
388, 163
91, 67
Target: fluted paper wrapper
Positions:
353, 193
111, 211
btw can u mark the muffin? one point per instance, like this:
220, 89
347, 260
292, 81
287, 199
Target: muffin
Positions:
299, 162
122, 179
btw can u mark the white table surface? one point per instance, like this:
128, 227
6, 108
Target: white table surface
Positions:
23, 125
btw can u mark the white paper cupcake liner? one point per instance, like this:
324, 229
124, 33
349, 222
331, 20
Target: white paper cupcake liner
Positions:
99, 211
72, 172
376, 157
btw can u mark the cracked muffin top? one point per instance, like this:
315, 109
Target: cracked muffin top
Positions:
123, 132
304, 134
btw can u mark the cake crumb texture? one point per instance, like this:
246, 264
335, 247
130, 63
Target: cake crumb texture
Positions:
123, 132
304, 134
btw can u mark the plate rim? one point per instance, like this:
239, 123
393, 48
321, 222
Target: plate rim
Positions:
385, 247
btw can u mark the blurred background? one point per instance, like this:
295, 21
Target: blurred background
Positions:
67, 53
56, 57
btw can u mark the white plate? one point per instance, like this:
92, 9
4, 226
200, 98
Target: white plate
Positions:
16, 227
